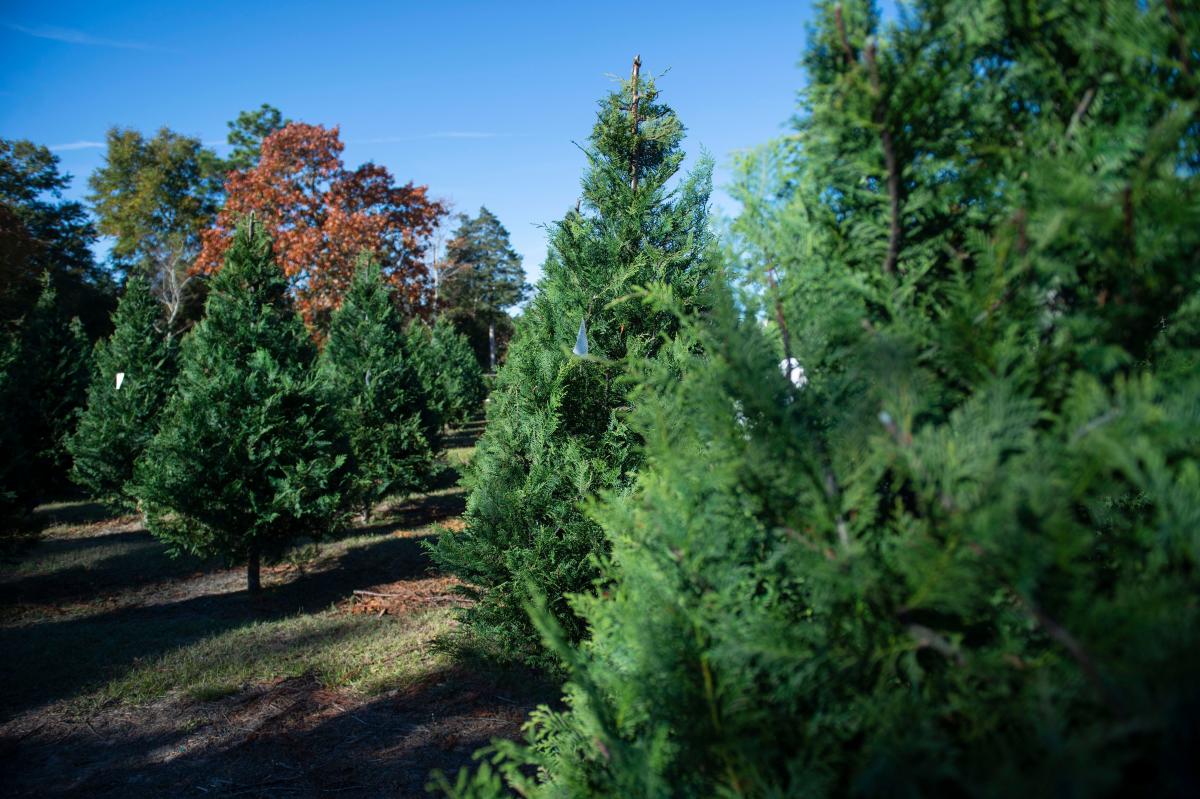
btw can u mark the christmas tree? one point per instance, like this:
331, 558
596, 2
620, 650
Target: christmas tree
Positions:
460, 385
956, 555
377, 388
132, 375
249, 455
557, 433
12, 454
43, 379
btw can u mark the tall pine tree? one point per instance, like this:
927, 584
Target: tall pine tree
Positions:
557, 433
377, 388
959, 557
249, 455
483, 279
133, 371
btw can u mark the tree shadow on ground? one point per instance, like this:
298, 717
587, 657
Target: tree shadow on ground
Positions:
60, 659
82, 567
414, 514
293, 738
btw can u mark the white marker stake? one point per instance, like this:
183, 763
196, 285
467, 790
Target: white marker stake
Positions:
120, 380
581, 342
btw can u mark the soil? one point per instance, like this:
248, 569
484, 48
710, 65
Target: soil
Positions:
292, 738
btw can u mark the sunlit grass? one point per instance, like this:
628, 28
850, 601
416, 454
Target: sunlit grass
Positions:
361, 652
99, 613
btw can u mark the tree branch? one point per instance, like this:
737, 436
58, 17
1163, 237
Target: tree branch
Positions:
1185, 58
847, 53
633, 161
889, 160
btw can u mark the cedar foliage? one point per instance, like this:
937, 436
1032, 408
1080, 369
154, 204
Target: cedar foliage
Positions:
249, 455
118, 423
459, 387
43, 380
375, 384
962, 560
557, 431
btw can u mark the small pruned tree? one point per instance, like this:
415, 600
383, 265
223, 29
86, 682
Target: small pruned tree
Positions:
133, 371
460, 375
43, 381
372, 377
250, 455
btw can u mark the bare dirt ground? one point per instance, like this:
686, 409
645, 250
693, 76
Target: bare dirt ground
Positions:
125, 673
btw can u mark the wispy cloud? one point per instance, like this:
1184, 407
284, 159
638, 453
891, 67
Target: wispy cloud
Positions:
447, 134
72, 36
76, 145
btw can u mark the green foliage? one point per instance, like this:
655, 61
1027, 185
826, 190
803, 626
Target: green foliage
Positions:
460, 390
43, 378
962, 558
557, 431
118, 423
41, 232
482, 278
11, 454
247, 132
383, 405
154, 197
249, 455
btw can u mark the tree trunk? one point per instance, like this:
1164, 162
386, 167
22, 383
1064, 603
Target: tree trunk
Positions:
491, 346
253, 582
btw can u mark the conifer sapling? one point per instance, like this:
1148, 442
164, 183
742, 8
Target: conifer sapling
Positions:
132, 375
372, 377
250, 455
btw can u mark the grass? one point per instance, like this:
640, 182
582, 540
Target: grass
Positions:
362, 652
95, 612
126, 673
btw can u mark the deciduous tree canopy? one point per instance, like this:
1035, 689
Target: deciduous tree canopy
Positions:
322, 216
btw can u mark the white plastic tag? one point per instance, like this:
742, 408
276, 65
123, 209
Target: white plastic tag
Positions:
581, 342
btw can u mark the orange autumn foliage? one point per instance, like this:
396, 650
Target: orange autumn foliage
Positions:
323, 215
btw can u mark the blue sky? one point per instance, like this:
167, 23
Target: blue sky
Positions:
480, 101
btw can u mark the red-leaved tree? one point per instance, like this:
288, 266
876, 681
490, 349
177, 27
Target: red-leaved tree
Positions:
322, 216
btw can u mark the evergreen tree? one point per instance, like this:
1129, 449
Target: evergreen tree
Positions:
959, 557
12, 454
483, 279
557, 431
246, 134
461, 375
453, 376
121, 418
249, 455
43, 379
377, 388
